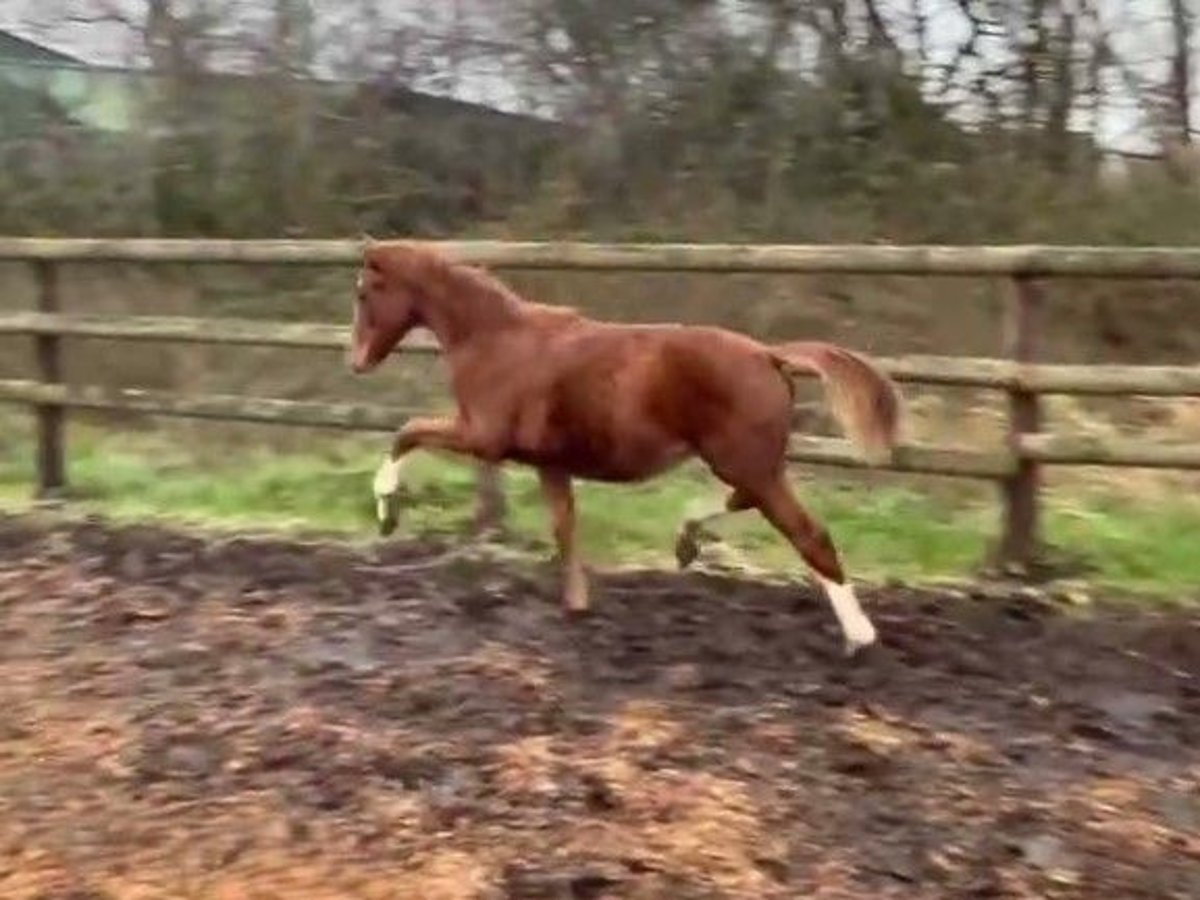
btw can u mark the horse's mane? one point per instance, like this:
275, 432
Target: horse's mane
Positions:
429, 263
487, 283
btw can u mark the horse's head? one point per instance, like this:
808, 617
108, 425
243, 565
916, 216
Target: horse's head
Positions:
390, 285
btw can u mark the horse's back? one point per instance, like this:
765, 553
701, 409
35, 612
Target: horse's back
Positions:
655, 370
627, 401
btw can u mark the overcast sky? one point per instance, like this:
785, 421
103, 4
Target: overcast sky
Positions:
1138, 29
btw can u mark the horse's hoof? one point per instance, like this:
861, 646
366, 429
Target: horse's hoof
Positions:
856, 649
686, 551
577, 613
687, 545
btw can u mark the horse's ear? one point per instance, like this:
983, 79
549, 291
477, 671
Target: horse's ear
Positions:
372, 251
414, 262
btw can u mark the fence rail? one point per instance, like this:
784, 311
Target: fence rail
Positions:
944, 371
1016, 466
1030, 261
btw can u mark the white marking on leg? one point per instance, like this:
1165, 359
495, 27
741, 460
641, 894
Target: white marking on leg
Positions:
387, 476
386, 484
575, 591
856, 627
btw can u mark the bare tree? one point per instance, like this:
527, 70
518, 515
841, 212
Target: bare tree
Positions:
771, 115
1182, 24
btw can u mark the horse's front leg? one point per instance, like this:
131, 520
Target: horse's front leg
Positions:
560, 498
420, 433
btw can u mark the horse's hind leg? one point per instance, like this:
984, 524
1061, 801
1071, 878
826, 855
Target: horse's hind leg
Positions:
560, 498
779, 506
693, 532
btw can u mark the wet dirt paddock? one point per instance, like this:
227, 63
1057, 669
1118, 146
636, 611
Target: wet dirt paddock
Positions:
182, 718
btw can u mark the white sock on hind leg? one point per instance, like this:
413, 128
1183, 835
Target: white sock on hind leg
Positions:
856, 627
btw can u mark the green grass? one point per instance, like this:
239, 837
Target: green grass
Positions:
324, 487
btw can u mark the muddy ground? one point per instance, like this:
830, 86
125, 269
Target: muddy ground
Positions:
185, 718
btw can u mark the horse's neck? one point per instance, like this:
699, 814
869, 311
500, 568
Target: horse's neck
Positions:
463, 312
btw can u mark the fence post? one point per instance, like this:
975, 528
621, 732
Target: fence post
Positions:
51, 468
1022, 532
490, 508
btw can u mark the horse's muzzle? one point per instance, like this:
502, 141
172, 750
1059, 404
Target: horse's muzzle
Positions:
359, 363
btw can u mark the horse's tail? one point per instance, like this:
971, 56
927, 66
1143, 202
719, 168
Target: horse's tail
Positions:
865, 401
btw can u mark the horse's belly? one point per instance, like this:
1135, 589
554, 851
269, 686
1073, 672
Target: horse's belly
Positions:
599, 425
602, 452
583, 462
638, 464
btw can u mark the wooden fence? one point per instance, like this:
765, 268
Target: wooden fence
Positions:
1016, 468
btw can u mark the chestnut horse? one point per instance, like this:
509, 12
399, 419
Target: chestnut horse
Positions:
577, 398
